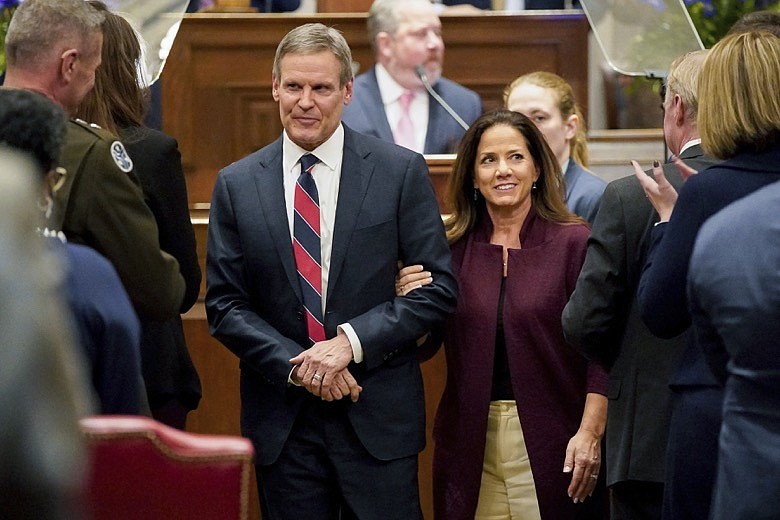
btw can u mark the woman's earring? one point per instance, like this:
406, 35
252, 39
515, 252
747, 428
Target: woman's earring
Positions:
476, 191
533, 186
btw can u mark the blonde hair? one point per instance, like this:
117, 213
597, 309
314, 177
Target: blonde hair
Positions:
683, 80
739, 111
566, 105
468, 206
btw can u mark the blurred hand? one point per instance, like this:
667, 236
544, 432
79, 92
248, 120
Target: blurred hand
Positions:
685, 170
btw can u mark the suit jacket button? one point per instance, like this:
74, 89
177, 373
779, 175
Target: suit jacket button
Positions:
299, 314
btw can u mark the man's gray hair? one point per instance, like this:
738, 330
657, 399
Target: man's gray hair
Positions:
312, 38
39, 26
683, 80
384, 17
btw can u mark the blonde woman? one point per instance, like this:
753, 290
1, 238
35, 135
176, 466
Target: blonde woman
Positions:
739, 122
548, 100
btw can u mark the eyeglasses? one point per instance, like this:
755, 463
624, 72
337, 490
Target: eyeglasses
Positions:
662, 91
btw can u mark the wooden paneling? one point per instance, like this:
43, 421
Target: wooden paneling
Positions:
343, 6
217, 81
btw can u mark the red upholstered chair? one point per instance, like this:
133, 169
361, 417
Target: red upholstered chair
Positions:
142, 469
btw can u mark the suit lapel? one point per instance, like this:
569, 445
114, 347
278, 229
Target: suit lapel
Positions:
375, 112
356, 171
269, 181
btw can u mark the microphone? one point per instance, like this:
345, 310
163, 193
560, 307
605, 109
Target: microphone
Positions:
420, 71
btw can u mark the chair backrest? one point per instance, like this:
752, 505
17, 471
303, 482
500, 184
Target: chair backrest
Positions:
140, 468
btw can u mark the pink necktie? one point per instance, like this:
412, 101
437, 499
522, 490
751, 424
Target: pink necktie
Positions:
404, 130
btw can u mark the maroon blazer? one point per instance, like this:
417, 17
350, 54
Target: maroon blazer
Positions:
549, 378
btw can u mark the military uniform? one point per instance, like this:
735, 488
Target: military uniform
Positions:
101, 205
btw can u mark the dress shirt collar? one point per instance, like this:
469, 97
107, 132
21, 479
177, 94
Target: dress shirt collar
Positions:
692, 142
389, 88
329, 152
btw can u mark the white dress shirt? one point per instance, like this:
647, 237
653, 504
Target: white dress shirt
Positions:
391, 93
327, 177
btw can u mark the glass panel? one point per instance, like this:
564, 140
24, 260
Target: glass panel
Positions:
157, 22
641, 37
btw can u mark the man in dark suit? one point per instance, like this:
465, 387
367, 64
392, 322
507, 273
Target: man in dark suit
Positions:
390, 101
301, 265
734, 295
602, 317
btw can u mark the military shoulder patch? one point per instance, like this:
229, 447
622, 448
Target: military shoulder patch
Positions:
121, 158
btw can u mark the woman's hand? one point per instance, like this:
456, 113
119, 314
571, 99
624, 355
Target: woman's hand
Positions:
411, 278
583, 454
583, 461
658, 189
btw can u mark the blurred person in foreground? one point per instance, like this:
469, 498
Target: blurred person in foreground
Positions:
739, 122
602, 318
518, 430
118, 103
548, 100
304, 239
106, 327
43, 389
54, 47
734, 297
390, 101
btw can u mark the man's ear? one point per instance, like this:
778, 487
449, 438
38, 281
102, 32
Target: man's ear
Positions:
348, 91
68, 64
679, 110
383, 43
275, 88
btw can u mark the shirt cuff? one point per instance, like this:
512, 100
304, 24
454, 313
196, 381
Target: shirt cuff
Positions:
354, 342
290, 378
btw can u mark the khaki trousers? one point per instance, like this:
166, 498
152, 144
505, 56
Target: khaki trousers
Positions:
507, 489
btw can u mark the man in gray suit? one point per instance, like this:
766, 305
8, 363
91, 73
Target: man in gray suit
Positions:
602, 317
390, 101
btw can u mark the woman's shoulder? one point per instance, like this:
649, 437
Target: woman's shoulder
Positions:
146, 138
568, 231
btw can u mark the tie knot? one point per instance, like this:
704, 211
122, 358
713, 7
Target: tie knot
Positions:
406, 99
307, 162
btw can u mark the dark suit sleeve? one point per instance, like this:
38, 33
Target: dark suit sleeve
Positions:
595, 316
232, 318
389, 326
662, 287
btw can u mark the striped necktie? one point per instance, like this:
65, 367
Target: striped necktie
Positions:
306, 246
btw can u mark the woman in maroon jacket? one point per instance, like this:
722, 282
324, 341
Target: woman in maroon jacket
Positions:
519, 426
